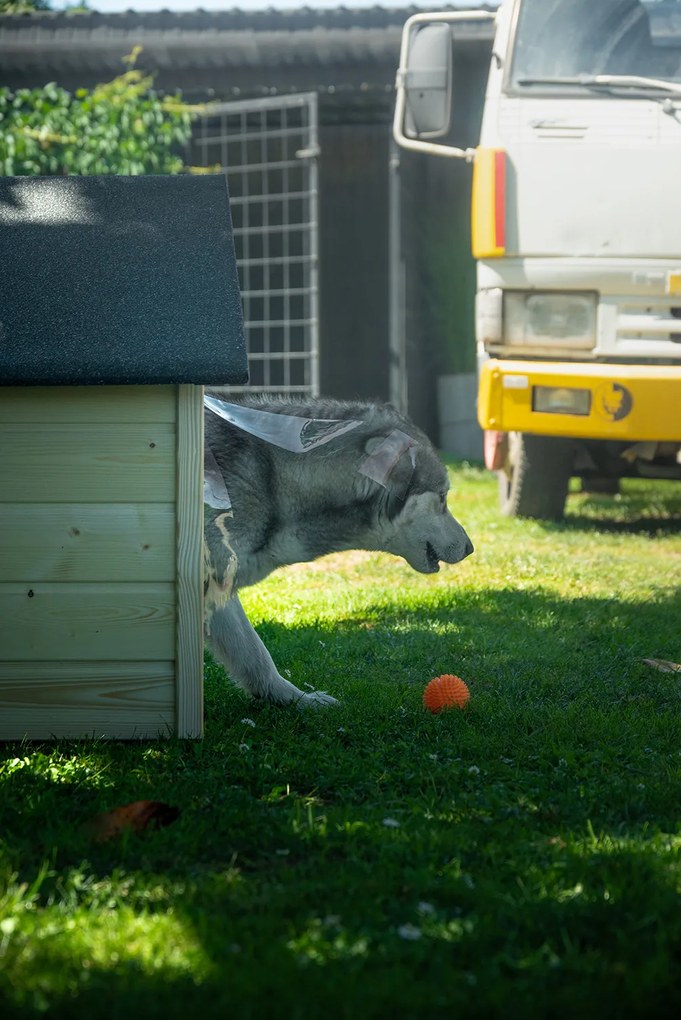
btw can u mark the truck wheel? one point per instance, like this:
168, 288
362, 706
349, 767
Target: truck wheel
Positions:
534, 481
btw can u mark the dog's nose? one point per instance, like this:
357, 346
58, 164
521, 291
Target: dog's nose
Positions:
468, 547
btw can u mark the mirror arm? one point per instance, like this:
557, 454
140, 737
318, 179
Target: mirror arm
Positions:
402, 78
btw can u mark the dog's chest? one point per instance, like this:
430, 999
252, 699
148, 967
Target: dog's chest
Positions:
280, 549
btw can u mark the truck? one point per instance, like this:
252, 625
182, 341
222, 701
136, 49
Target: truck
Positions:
576, 232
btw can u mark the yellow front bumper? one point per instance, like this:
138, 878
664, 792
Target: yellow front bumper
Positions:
621, 402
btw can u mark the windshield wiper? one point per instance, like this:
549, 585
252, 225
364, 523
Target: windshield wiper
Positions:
610, 82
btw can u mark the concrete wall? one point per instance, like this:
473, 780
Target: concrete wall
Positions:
460, 436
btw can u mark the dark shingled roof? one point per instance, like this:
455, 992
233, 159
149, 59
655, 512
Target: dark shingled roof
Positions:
331, 45
118, 280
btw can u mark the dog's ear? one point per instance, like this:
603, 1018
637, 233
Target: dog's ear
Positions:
393, 468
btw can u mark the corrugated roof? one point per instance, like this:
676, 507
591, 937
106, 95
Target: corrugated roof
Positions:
329, 42
271, 19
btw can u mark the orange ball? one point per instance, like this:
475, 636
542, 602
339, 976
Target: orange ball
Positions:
446, 691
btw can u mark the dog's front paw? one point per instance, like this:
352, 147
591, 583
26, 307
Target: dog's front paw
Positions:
316, 699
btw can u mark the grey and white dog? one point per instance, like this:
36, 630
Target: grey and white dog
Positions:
354, 476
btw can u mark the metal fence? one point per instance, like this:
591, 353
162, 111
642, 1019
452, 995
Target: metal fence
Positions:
268, 149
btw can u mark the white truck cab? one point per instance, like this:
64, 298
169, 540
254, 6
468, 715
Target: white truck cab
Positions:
576, 223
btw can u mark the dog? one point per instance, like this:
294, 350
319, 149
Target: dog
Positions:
288, 481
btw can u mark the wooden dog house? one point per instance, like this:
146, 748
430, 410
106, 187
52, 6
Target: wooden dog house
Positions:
120, 301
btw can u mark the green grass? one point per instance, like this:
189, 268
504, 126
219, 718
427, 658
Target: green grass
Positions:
519, 859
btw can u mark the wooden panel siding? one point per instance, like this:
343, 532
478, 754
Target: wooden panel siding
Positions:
101, 588
57, 622
87, 542
72, 463
86, 404
75, 699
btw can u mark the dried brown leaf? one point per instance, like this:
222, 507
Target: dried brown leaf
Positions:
135, 817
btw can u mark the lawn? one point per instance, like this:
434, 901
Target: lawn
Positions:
517, 859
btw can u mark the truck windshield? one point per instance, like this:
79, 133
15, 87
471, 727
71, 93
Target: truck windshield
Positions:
568, 43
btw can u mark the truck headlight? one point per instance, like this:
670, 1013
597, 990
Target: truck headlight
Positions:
541, 319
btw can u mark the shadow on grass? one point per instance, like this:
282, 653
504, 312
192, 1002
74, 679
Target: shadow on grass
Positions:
652, 525
647, 510
598, 941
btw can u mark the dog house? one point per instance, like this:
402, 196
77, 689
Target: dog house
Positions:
120, 301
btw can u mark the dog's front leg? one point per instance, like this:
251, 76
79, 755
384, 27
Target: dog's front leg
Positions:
233, 641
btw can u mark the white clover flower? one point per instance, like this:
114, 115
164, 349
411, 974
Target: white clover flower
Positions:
409, 932
391, 823
248, 722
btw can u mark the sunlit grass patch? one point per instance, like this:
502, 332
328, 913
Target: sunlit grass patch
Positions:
65, 931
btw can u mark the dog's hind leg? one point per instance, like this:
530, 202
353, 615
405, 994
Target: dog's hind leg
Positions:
233, 641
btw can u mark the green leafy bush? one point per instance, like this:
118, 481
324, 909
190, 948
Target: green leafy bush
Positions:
121, 127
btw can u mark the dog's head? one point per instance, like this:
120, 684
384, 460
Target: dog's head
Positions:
414, 519
425, 533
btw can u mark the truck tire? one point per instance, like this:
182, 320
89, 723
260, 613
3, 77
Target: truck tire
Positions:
534, 482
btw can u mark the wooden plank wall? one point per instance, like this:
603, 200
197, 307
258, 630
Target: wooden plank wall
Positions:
89, 488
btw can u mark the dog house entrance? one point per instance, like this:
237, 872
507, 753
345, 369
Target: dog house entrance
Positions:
268, 149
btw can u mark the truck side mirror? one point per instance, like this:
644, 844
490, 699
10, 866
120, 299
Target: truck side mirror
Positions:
428, 81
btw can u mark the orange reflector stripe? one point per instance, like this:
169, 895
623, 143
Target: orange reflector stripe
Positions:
488, 219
